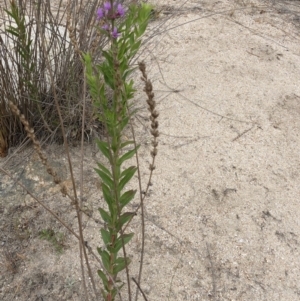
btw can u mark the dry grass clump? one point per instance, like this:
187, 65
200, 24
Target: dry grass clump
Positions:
38, 62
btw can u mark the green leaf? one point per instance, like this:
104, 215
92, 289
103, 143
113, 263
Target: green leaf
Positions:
105, 236
131, 38
103, 146
104, 169
105, 259
119, 260
124, 77
108, 78
126, 143
124, 218
88, 63
114, 293
105, 178
13, 31
142, 29
123, 65
107, 71
126, 175
136, 46
119, 242
124, 123
103, 277
122, 49
93, 83
121, 265
145, 10
105, 216
127, 156
126, 197
9, 13
108, 57
108, 197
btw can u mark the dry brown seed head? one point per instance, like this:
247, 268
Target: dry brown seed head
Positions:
151, 103
151, 167
154, 124
154, 114
142, 67
154, 152
150, 95
64, 190
154, 132
154, 143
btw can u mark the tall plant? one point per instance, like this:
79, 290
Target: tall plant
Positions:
111, 90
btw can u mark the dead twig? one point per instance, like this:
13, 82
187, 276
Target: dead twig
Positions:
139, 289
241, 134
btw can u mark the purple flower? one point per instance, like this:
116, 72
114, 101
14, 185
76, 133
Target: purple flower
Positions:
120, 11
115, 33
100, 13
105, 27
107, 6
107, 12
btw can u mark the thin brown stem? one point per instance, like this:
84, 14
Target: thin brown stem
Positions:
141, 205
81, 177
139, 288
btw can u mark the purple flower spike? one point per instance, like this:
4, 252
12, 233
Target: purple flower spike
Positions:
107, 6
100, 13
115, 33
120, 10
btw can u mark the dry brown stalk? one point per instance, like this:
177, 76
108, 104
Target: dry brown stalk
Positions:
36, 143
148, 89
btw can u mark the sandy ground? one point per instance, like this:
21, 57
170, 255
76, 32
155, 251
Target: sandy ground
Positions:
222, 215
